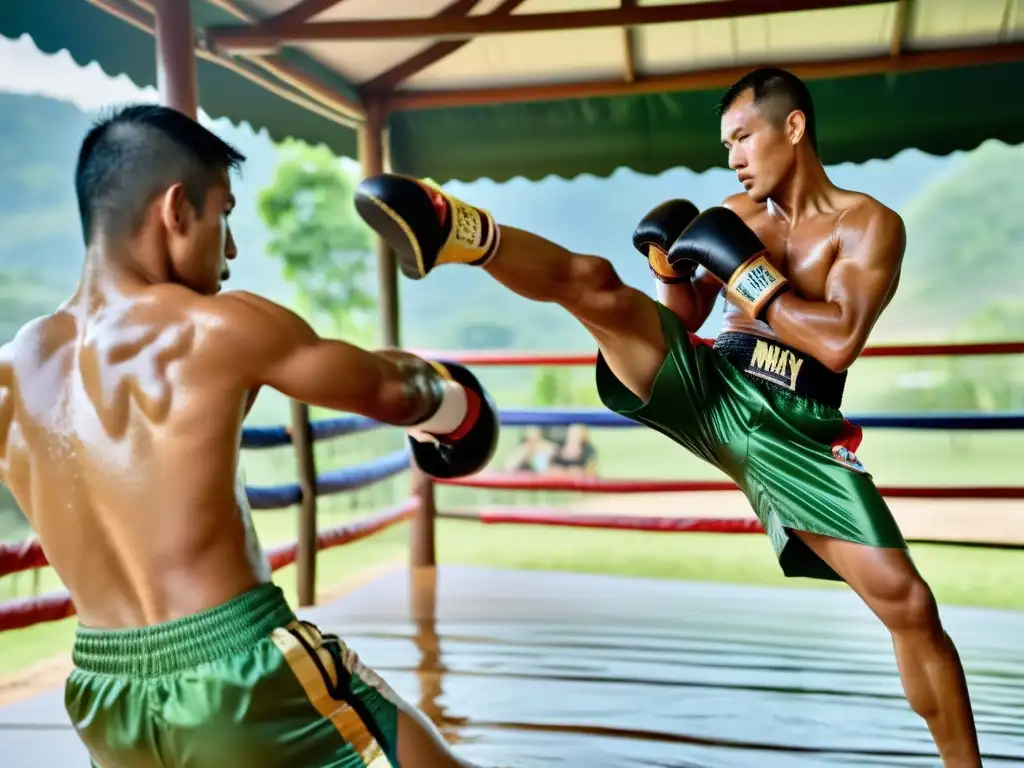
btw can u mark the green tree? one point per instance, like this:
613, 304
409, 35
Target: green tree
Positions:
965, 243
990, 383
551, 387
323, 245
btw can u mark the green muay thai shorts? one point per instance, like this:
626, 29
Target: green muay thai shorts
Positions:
768, 417
242, 685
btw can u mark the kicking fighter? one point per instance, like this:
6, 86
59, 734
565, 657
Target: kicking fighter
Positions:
120, 419
806, 268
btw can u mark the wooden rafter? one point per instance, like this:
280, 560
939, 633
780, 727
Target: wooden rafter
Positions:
302, 11
402, 71
136, 16
628, 46
1006, 22
262, 36
416, 64
713, 78
284, 71
899, 27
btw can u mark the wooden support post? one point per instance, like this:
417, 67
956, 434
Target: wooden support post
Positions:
373, 157
176, 56
305, 460
422, 552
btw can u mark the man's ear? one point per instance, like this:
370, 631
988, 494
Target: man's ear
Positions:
796, 126
175, 210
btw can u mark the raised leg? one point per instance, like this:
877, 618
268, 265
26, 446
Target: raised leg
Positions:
428, 228
930, 669
624, 321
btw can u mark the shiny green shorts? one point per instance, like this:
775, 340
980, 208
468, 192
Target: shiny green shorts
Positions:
242, 685
792, 457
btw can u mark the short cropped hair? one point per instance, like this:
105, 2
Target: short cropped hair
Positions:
133, 155
777, 91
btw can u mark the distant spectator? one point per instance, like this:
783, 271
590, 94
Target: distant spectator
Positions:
531, 455
576, 456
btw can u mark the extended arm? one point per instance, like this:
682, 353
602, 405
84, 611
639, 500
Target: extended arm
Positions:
859, 285
452, 424
278, 349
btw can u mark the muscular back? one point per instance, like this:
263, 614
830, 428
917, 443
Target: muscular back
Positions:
119, 435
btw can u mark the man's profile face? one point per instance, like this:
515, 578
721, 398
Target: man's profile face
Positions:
201, 252
759, 150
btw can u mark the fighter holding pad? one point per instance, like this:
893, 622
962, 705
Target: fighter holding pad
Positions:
657, 231
424, 225
722, 243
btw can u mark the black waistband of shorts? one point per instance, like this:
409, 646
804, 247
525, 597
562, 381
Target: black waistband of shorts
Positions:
782, 367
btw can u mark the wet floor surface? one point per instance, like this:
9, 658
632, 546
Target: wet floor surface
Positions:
524, 669
543, 669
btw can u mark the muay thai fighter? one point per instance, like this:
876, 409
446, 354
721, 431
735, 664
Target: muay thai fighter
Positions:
120, 419
807, 268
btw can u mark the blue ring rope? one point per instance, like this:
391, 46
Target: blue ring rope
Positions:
276, 436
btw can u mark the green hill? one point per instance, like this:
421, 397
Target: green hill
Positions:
965, 244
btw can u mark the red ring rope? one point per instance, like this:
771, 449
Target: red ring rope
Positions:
894, 350
24, 612
17, 556
506, 482
541, 516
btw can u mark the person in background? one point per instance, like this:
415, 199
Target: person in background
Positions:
576, 456
532, 454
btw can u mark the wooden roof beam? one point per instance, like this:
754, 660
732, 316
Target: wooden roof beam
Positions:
132, 12
899, 27
713, 78
281, 69
628, 47
401, 72
301, 12
263, 36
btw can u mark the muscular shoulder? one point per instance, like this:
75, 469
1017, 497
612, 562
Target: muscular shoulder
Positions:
243, 324
35, 342
744, 207
241, 314
866, 225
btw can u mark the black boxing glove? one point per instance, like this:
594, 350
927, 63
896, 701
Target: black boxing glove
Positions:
725, 246
425, 226
657, 231
460, 435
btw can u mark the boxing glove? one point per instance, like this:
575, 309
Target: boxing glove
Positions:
461, 434
722, 243
425, 226
657, 231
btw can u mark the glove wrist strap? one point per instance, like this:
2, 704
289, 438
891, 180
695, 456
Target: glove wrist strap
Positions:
473, 236
755, 284
452, 414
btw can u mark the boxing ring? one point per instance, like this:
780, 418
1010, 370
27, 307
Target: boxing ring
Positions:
608, 670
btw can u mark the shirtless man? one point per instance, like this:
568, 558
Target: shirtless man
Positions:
120, 419
807, 268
